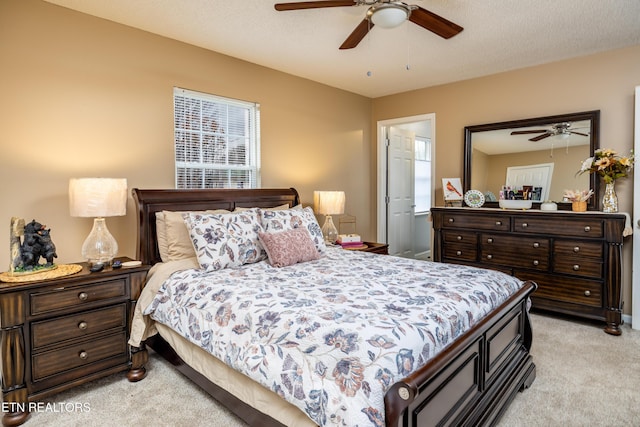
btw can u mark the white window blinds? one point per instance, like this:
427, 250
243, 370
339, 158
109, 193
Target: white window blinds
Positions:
216, 141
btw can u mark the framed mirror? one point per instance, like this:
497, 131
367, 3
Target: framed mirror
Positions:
548, 151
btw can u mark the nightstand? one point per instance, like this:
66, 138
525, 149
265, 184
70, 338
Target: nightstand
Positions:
59, 333
377, 248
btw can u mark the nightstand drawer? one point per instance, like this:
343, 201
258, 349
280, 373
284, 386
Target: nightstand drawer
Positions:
67, 358
78, 325
63, 297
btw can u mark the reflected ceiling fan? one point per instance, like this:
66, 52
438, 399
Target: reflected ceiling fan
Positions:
563, 128
384, 13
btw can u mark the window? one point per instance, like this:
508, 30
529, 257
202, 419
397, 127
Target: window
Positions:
217, 141
423, 174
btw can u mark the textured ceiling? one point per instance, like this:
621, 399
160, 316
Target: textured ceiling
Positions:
499, 35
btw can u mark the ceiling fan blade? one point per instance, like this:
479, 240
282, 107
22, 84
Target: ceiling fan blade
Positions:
524, 132
540, 137
434, 23
357, 35
314, 4
579, 133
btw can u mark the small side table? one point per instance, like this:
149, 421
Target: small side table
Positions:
376, 248
59, 333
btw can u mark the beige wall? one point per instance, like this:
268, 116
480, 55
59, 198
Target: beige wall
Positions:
602, 82
83, 96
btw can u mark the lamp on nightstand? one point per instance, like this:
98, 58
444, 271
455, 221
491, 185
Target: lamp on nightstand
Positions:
98, 198
329, 203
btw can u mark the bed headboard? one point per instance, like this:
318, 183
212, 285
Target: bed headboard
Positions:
151, 201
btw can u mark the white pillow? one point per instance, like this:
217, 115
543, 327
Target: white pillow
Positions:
225, 240
288, 219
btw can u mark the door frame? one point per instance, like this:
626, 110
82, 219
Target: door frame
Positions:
381, 127
635, 264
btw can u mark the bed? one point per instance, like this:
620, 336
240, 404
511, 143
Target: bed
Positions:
469, 381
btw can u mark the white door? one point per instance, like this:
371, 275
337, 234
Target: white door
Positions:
401, 206
635, 292
534, 175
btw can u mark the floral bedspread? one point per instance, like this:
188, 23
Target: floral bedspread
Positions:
330, 335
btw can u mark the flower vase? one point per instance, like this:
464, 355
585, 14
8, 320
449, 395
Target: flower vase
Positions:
610, 199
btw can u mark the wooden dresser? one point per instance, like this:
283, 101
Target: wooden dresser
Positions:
575, 258
60, 333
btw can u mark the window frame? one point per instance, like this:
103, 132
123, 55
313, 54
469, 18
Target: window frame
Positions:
192, 135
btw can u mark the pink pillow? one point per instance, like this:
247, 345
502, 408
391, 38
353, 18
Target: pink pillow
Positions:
288, 247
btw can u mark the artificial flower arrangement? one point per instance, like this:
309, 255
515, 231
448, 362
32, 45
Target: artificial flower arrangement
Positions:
577, 195
606, 163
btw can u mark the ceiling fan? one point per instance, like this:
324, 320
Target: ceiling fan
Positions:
563, 128
384, 13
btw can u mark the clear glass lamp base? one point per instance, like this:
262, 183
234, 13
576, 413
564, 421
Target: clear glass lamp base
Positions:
100, 247
329, 231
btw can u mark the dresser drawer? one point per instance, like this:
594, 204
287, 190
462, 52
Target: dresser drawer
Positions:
57, 361
76, 296
515, 251
476, 222
460, 251
78, 325
578, 248
565, 289
588, 227
585, 267
457, 236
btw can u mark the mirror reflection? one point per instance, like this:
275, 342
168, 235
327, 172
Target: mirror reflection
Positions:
535, 159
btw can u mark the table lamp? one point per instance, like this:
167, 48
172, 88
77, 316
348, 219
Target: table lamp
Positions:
329, 203
98, 198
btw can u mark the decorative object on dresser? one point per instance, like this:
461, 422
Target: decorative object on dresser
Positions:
606, 163
329, 203
575, 258
98, 198
59, 333
27, 244
452, 190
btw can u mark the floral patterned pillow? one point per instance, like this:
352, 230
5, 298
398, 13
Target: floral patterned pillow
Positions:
289, 219
288, 247
225, 240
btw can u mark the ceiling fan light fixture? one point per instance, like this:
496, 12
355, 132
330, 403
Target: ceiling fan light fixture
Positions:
389, 15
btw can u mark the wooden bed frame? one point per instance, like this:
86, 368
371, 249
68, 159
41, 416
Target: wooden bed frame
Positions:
471, 382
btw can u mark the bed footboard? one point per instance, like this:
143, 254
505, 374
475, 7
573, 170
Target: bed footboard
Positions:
474, 380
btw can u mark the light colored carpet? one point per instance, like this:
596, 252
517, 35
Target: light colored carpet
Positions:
584, 378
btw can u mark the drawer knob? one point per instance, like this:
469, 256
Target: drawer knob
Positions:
83, 355
82, 296
459, 237
489, 240
489, 256
525, 225
82, 325
587, 293
458, 253
576, 267
536, 245
498, 222
587, 229
536, 262
450, 220
576, 249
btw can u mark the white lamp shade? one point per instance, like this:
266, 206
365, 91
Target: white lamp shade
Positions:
328, 202
389, 15
97, 197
